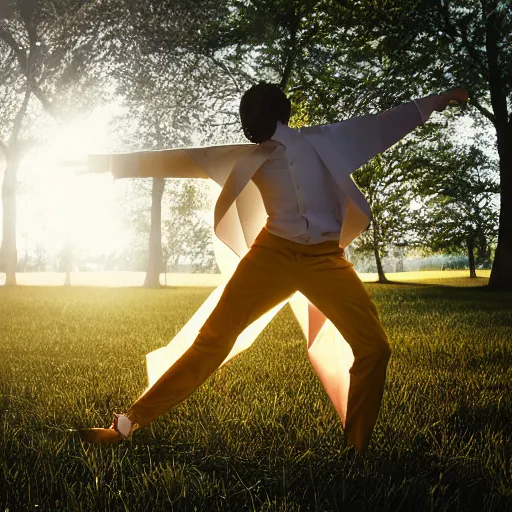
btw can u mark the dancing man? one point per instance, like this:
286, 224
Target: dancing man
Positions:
314, 210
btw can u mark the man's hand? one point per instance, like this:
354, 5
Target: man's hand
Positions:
458, 96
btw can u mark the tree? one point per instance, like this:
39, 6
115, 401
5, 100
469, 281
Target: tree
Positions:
189, 242
45, 50
186, 235
166, 95
415, 46
457, 191
386, 184
15, 93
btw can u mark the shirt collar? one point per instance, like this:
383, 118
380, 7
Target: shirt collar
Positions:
285, 135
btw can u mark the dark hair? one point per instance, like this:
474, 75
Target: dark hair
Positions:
261, 107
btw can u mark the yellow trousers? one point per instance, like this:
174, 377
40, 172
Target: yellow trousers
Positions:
272, 270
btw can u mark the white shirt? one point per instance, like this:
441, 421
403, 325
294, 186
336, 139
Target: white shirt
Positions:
302, 201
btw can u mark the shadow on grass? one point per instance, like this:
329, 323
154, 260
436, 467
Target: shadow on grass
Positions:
487, 297
413, 480
476, 286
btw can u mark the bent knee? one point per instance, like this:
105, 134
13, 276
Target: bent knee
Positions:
384, 351
376, 352
379, 351
211, 344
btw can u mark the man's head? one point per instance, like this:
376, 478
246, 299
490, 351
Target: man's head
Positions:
260, 109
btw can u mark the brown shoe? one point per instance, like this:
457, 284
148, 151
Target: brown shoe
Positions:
121, 429
99, 435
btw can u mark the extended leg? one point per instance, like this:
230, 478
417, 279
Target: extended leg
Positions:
261, 281
332, 285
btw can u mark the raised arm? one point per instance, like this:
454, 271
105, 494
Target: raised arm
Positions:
361, 138
396, 123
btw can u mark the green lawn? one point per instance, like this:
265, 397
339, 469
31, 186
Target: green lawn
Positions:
261, 434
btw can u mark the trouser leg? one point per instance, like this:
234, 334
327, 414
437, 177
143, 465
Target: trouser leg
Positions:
333, 286
261, 281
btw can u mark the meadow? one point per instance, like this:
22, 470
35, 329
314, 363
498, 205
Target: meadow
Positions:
261, 434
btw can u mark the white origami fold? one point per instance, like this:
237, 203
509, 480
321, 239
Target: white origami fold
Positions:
240, 215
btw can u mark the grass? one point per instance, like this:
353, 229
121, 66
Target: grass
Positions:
261, 433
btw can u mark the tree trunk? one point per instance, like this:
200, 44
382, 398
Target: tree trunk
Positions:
8, 248
483, 251
155, 255
501, 274
471, 256
376, 252
67, 259
68, 266
380, 270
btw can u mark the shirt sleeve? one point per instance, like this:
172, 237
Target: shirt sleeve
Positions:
362, 138
427, 105
174, 163
213, 162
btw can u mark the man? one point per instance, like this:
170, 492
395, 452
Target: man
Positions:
313, 210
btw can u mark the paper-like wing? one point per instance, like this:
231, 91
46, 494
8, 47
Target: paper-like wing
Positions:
240, 212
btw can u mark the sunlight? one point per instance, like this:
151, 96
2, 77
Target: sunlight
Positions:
60, 205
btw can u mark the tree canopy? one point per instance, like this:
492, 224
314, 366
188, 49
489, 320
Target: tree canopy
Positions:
180, 68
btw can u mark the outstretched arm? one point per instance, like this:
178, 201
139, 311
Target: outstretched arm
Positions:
361, 138
175, 163
396, 123
213, 162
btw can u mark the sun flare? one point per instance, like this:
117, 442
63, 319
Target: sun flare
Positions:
59, 204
